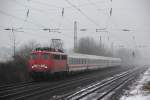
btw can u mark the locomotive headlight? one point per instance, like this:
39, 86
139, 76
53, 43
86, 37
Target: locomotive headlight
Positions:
34, 66
44, 66
39, 66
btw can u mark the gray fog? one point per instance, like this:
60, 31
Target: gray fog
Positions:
126, 24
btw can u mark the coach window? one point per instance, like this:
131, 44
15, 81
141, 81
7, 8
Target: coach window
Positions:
82, 61
73, 61
70, 60
77, 61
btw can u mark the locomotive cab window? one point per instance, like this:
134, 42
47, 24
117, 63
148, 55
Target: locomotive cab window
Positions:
33, 56
45, 56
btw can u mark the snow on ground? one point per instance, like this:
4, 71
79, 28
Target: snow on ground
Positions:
136, 91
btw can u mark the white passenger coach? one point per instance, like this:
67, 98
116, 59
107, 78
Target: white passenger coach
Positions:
78, 62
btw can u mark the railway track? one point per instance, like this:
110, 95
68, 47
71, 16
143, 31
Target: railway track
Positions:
35, 90
7, 85
102, 89
14, 86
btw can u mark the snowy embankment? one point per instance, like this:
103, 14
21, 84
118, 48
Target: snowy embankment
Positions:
139, 90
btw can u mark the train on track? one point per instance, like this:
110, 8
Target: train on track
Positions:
50, 61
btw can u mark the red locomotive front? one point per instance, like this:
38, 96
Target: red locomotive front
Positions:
40, 61
47, 62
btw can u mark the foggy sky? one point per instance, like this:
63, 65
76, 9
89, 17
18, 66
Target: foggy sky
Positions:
126, 14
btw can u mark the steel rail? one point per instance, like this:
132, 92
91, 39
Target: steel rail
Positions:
95, 87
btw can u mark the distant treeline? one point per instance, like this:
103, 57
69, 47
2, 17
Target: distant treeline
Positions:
14, 71
88, 45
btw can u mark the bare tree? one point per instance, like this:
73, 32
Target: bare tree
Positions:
16, 70
25, 49
88, 45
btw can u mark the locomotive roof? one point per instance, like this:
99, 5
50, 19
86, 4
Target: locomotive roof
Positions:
86, 56
48, 52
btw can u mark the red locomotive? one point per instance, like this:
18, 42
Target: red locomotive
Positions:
49, 61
